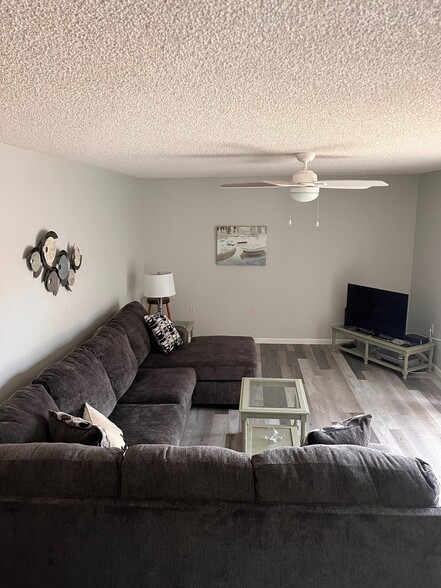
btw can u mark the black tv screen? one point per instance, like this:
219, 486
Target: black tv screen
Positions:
379, 312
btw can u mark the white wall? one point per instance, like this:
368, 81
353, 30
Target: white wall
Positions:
364, 237
97, 210
425, 300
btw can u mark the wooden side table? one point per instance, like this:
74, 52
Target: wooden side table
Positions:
187, 325
155, 302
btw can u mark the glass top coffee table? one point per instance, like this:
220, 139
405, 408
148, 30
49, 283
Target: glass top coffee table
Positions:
272, 398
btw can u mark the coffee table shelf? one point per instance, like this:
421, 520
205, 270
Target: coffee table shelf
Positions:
258, 443
272, 398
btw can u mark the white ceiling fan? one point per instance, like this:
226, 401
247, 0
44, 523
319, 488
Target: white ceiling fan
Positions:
304, 186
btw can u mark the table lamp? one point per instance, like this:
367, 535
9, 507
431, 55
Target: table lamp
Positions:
159, 285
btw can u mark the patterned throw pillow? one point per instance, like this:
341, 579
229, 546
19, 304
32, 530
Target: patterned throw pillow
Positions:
165, 333
65, 428
113, 433
353, 431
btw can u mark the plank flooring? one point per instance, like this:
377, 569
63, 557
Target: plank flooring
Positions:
406, 413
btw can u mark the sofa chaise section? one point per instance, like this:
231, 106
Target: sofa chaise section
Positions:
220, 363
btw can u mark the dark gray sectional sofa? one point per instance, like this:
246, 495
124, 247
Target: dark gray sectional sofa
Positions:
164, 515
148, 394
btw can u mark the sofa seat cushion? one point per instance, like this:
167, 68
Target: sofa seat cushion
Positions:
186, 473
79, 378
151, 423
24, 416
343, 475
161, 386
59, 470
217, 357
111, 346
217, 393
130, 320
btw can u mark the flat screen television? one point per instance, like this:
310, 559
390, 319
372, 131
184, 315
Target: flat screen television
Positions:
379, 312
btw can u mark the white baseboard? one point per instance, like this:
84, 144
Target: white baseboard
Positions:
294, 341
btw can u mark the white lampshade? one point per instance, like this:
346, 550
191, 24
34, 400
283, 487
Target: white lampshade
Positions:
159, 285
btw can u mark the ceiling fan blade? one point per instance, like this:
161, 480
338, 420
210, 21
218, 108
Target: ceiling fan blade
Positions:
352, 184
249, 185
291, 184
281, 183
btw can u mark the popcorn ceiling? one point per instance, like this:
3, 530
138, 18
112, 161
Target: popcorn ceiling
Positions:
209, 88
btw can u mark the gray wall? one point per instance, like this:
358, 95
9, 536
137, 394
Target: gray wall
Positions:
365, 237
126, 226
425, 300
97, 210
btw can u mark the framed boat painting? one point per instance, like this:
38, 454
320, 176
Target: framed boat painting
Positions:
241, 245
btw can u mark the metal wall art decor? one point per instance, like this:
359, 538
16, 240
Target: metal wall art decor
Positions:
58, 268
241, 245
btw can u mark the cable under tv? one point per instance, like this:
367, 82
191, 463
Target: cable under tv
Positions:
396, 358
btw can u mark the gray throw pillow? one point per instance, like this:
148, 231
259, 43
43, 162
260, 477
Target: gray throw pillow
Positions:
353, 431
65, 428
164, 332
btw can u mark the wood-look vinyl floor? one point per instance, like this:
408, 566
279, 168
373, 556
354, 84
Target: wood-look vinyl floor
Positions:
406, 413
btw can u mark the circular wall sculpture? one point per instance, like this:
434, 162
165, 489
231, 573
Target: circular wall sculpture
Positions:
58, 267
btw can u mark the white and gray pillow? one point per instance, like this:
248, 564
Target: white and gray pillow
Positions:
166, 335
353, 431
113, 433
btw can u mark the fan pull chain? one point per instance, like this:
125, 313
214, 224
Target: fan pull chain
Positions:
317, 222
290, 212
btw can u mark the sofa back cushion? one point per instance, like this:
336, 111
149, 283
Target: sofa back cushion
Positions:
343, 474
24, 416
130, 320
111, 346
169, 472
59, 470
79, 378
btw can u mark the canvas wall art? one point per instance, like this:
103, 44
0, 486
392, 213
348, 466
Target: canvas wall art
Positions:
241, 245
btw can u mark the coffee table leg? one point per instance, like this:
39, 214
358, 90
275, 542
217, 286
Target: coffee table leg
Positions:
302, 429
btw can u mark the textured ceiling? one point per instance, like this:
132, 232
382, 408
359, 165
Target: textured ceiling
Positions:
169, 88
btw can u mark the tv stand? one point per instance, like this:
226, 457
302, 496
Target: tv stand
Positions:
385, 353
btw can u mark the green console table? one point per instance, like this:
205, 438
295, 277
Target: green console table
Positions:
404, 359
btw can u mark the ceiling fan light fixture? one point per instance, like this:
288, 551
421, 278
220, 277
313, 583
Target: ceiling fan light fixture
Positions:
304, 193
